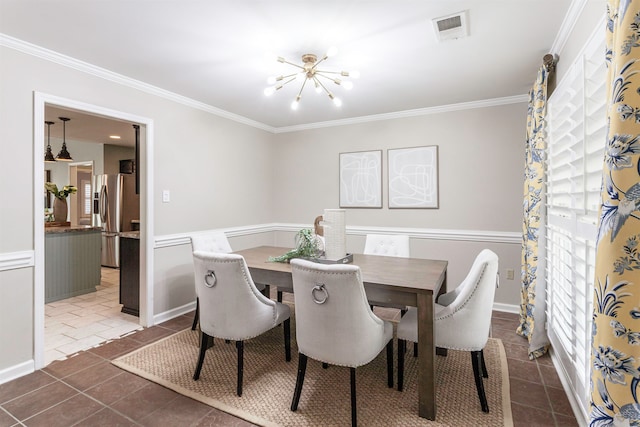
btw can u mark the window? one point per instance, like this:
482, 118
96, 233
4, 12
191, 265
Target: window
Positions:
577, 137
84, 202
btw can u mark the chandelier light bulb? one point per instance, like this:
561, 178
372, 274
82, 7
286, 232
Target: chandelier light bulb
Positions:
296, 103
269, 91
271, 80
347, 85
354, 74
337, 102
332, 51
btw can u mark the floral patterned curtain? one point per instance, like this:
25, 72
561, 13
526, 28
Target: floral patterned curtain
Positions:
532, 305
615, 357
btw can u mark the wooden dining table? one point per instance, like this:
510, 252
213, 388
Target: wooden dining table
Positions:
405, 281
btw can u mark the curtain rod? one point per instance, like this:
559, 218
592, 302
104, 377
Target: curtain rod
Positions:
549, 62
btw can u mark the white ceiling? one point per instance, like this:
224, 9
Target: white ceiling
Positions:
216, 51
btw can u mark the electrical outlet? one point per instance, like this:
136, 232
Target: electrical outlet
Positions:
510, 273
166, 196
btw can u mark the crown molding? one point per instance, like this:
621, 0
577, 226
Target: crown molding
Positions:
85, 67
570, 19
408, 113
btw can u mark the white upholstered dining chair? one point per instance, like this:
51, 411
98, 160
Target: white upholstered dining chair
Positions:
334, 323
462, 319
232, 308
396, 245
216, 242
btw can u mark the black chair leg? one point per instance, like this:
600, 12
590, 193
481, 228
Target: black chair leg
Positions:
287, 340
476, 357
390, 363
402, 349
354, 410
197, 315
240, 347
415, 349
302, 368
204, 340
485, 373
325, 365
279, 296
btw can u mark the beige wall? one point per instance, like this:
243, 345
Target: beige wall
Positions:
217, 170
16, 317
480, 157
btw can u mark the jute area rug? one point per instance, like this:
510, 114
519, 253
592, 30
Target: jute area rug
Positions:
269, 383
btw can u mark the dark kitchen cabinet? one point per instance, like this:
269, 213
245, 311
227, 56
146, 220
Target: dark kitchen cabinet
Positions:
130, 272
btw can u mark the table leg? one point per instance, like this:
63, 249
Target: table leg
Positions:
426, 358
443, 290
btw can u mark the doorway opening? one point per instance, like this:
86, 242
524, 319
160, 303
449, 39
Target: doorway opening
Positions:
81, 174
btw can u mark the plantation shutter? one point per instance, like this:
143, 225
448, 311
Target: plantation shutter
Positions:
577, 137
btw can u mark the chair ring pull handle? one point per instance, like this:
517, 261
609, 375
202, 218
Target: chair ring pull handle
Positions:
319, 288
210, 279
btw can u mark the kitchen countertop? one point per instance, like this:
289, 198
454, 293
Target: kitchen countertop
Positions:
71, 229
130, 234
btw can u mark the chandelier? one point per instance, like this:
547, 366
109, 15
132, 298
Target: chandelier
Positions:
309, 72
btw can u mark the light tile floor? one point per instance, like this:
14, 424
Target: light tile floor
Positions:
82, 322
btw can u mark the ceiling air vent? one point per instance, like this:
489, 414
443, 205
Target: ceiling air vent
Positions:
451, 27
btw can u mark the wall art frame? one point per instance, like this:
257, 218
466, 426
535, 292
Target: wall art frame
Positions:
413, 177
361, 179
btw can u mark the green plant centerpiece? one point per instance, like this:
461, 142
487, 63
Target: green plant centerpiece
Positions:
60, 194
307, 246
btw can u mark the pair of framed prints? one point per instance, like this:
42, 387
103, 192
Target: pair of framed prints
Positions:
412, 178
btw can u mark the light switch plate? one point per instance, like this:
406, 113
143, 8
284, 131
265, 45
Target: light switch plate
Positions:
510, 273
166, 196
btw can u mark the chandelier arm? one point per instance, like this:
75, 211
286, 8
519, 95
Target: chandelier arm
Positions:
294, 64
330, 72
318, 62
302, 87
323, 87
290, 80
329, 78
280, 78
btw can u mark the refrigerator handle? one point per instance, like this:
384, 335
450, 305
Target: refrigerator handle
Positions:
104, 203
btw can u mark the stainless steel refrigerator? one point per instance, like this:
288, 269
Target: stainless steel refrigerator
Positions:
115, 206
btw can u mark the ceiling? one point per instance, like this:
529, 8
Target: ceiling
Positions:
216, 52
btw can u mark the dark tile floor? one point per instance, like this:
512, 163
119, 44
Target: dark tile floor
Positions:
86, 390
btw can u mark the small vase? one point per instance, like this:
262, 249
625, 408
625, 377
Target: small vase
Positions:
59, 210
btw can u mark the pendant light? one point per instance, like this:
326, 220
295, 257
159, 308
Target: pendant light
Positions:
48, 156
64, 155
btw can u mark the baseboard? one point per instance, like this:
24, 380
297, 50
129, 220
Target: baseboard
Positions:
507, 308
173, 313
16, 371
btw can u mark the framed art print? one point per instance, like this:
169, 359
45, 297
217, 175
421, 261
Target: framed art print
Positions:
413, 177
361, 179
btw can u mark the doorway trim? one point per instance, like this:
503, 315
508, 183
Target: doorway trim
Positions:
40, 100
